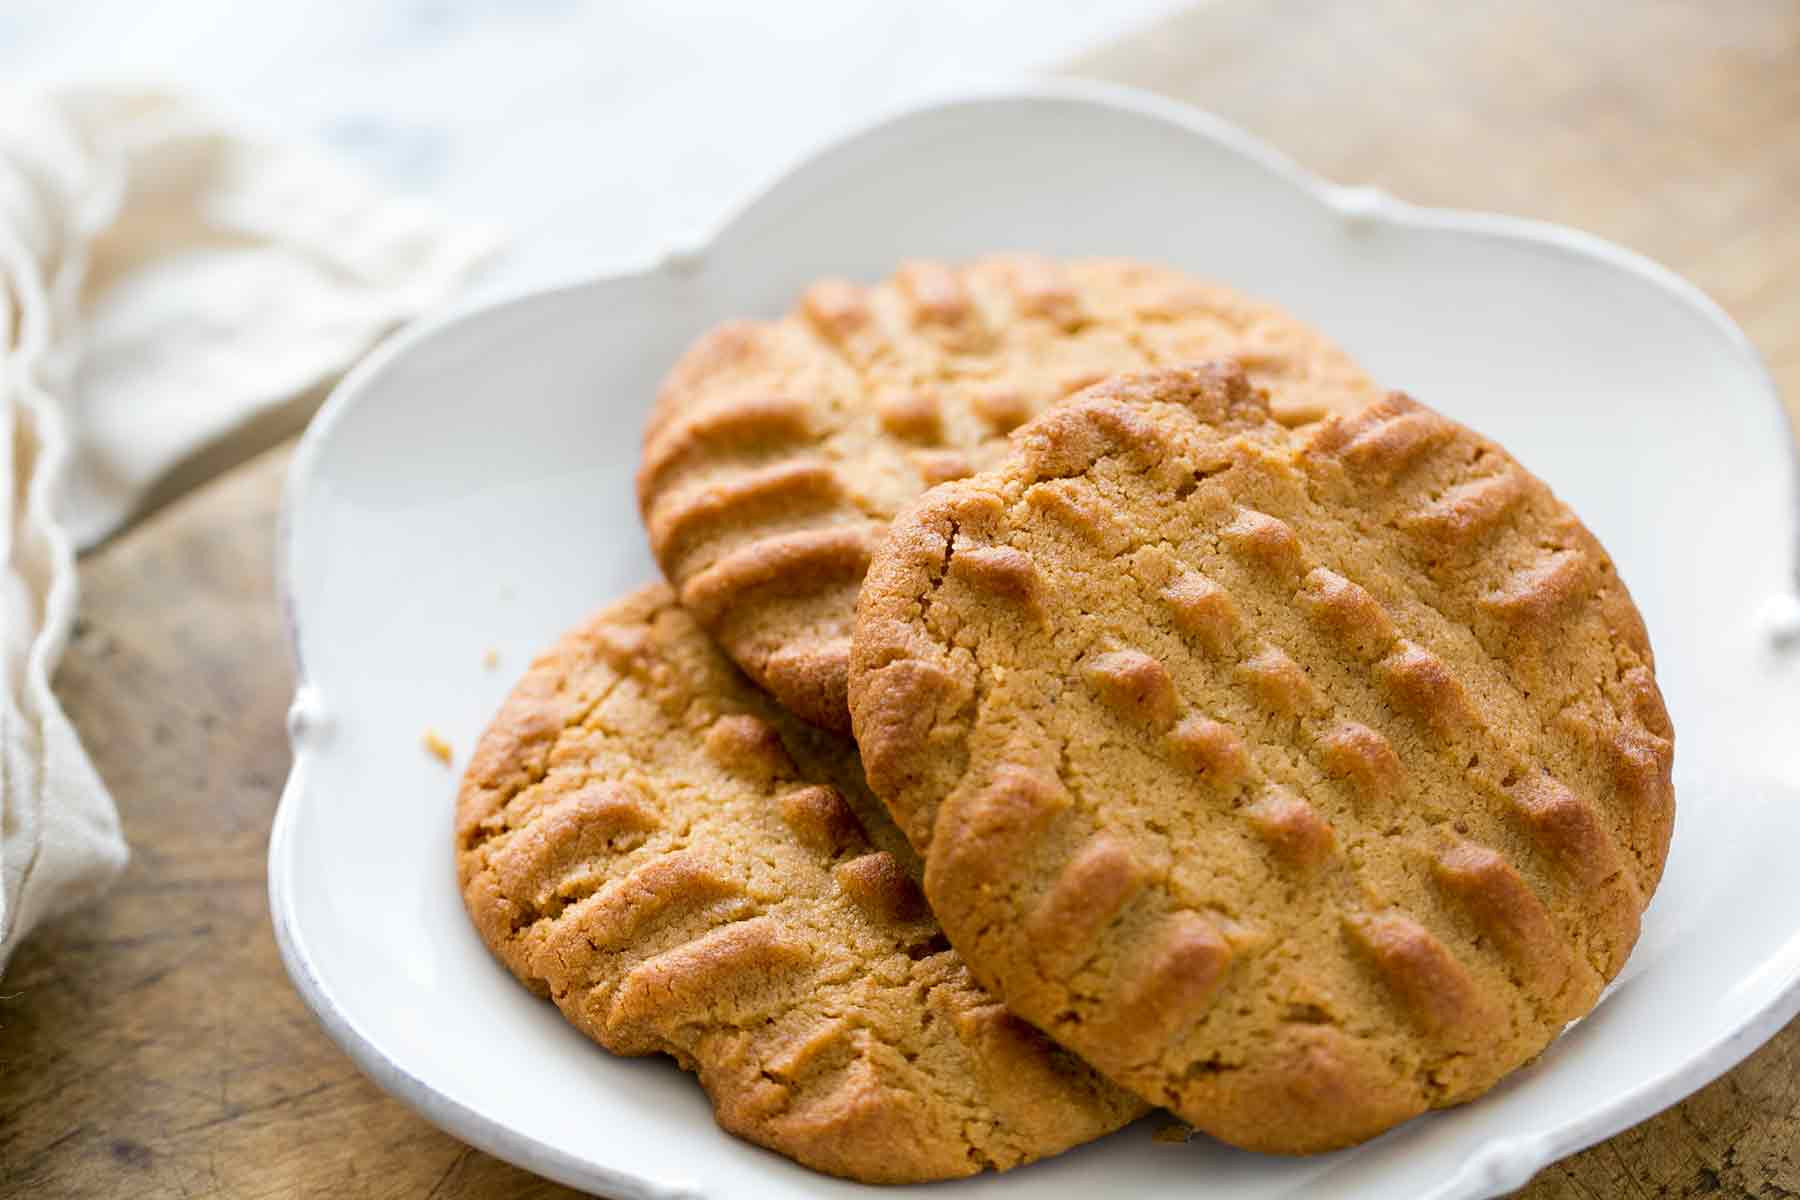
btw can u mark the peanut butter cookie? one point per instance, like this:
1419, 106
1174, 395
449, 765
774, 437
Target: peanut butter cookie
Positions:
1299, 780
684, 868
778, 451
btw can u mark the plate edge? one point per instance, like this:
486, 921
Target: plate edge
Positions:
1487, 1171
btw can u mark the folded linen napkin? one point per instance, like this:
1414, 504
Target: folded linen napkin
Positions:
174, 293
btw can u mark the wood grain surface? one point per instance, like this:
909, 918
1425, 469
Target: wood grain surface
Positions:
150, 1046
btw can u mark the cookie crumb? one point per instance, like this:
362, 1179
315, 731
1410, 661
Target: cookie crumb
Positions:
1173, 1133
437, 747
491, 658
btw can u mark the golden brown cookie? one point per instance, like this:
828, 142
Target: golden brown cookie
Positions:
778, 451
686, 869
1299, 780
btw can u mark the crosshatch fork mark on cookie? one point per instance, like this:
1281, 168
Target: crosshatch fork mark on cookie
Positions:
1348, 751
683, 868
778, 450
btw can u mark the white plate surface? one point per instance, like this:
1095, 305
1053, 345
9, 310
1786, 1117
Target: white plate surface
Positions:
470, 487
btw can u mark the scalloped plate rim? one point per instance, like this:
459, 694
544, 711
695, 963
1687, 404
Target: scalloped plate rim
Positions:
1491, 1168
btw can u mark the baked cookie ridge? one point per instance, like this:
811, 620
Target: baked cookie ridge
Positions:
685, 868
1300, 779
778, 451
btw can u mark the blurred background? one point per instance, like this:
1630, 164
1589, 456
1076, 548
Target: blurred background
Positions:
593, 131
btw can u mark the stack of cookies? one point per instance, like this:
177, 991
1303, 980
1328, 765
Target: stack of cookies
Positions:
1077, 690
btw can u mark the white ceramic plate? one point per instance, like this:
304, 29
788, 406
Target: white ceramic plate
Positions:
470, 487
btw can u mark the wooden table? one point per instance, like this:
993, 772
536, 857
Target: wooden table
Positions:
151, 1046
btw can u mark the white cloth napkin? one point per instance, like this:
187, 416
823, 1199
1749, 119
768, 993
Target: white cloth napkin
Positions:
174, 292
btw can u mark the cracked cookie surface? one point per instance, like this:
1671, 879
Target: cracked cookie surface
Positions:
778, 451
684, 868
1299, 780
